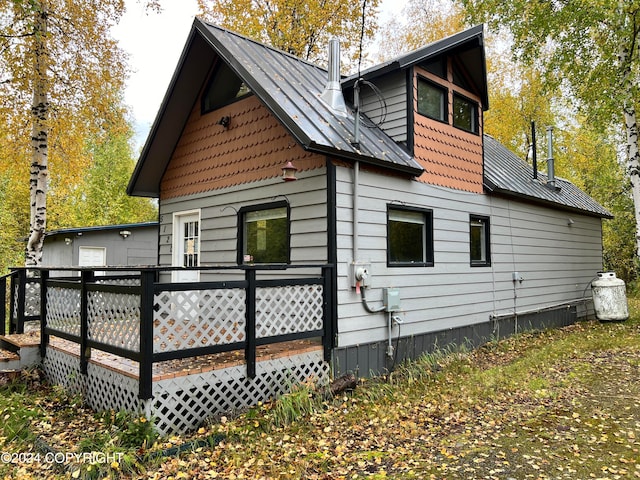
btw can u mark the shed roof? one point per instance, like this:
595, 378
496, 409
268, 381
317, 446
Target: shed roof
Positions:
507, 174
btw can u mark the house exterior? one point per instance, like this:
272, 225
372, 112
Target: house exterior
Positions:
437, 233
114, 245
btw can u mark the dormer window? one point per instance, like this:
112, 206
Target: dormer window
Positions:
432, 100
465, 114
224, 87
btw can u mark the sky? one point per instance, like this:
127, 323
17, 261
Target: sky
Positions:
154, 43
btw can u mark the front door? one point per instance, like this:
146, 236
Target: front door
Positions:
186, 245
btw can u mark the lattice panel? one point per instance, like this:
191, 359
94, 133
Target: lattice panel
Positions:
32, 299
64, 369
114, 319
106, 389
63, 309
14, 314
198, 318
183, 403
290, 309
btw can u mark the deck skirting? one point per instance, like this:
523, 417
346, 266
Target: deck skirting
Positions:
181, 403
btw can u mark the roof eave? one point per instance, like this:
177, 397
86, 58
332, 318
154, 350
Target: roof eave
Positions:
541, 201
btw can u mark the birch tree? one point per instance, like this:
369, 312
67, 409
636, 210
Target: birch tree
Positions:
588, 48
63, 73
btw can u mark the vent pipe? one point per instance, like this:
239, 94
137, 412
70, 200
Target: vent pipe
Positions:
551, 179
332, 94
534, 153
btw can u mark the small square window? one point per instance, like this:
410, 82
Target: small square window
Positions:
409, 237
479, 241
432, 100
264, 234
465, 114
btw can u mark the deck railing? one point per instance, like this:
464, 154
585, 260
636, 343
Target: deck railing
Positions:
132, 314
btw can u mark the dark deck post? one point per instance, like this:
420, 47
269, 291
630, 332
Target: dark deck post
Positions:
3, 306
86, 276
250, 323
44, 338
18, 327
145, 375
327, 337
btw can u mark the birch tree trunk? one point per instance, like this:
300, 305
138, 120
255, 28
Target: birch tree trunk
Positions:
39, 172
633, 164
631, 131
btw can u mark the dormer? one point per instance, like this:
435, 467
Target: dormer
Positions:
431, 102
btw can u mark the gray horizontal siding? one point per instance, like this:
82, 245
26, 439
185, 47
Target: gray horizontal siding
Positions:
557, 261
307, 198
394, 90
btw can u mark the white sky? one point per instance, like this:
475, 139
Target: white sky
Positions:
154, 43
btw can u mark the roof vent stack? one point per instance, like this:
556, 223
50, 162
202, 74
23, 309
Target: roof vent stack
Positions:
332, 94
551, 179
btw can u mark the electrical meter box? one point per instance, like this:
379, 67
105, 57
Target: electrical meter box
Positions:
391, 299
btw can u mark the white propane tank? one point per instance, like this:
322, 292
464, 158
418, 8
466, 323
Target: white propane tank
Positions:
609, 297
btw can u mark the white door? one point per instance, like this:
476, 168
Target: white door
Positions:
186, 245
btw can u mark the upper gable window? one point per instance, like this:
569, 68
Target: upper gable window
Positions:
465, 114
223, 88
432, 100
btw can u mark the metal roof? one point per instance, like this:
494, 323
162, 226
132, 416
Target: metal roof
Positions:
505, 173
102, 228
288, 86
291, 89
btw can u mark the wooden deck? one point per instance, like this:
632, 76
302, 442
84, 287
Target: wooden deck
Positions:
188, 366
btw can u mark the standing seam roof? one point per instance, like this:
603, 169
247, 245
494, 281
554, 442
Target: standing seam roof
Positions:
506, 173
291, 89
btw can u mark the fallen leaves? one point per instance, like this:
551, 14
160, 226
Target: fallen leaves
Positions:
561, 404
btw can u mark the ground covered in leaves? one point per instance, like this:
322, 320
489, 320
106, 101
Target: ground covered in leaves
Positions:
560, 404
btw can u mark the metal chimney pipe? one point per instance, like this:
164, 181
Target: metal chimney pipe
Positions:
332, 94
551, 180
534, 153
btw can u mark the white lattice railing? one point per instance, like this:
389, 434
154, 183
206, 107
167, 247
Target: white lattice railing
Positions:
63, 309
288, 309
140, 319
198, 318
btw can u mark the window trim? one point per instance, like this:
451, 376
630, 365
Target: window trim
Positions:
428, 251
445, 95
475, 117
241, 229
486, 221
